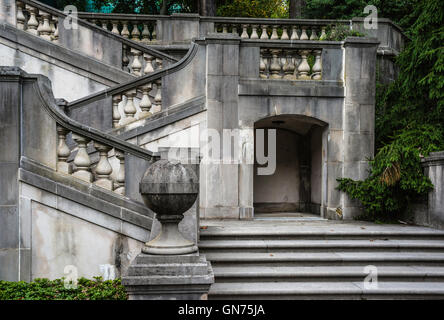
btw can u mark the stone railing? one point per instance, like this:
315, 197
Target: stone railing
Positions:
47, 23
125, 104
101, 173
37, 21
290, 64
134, 100
88, 154
140, 27
269, 30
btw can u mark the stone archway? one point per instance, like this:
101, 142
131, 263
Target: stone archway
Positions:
296, 184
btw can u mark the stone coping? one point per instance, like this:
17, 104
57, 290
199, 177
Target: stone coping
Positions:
87, 194
172, 114
63, 57
434, 159
234, 20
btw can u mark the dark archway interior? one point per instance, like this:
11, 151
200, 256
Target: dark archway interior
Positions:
295, 185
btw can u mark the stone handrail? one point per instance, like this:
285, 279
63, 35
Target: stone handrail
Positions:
46, 22
87, 140
124, 96
140, 27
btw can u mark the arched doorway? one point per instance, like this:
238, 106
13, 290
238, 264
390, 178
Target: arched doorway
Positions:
294, 189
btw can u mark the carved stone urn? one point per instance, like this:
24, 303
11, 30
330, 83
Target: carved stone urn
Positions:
169, 189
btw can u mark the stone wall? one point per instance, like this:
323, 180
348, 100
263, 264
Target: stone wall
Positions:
50, 219
430, 211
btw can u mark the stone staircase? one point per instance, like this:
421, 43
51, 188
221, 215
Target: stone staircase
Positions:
291, 259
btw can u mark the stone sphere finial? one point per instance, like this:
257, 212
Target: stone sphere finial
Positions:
169, 189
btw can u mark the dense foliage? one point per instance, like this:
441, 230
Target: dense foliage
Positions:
339, 33
254, 9
409, 121
399, 11
44, 289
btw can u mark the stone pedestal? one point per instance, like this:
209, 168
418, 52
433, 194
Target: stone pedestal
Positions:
169, 267
178, 277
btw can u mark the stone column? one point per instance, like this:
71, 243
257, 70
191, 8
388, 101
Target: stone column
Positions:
358, 115
220, 178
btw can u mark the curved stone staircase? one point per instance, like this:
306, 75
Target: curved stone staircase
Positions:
289, 259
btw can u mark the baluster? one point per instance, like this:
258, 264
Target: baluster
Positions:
294, 33
158, 63
264, 35
115, 29
20, 17
44, 27
145, 33
56, 30
136, 66
216, 26
120, 178
304, 67
254, 34
148, 63
317, 67
32, 22
125, 32
52, 26
154, 34
323, 34
158, 97
284, 35
263, 65
125, 59
116, 114
244, 34
313, 35
103, 168
224, 28
289, 66
274, 34
105, 25
304, 35
234, 30
136, 35
129, 109
275, 66
63, 151
39, 21
145, 102
82, 160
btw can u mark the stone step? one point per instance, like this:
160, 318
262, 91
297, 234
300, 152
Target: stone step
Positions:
271, 234
326, 273
248, 246
325, 258
326, 290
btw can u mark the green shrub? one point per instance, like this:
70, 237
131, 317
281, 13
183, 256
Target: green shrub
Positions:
339, 33
409, 121
44, 289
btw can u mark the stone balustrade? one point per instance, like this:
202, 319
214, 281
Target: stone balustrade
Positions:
43, 21
82, 167
37, 21
143, 31
290, 64
270, 31
138, 103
